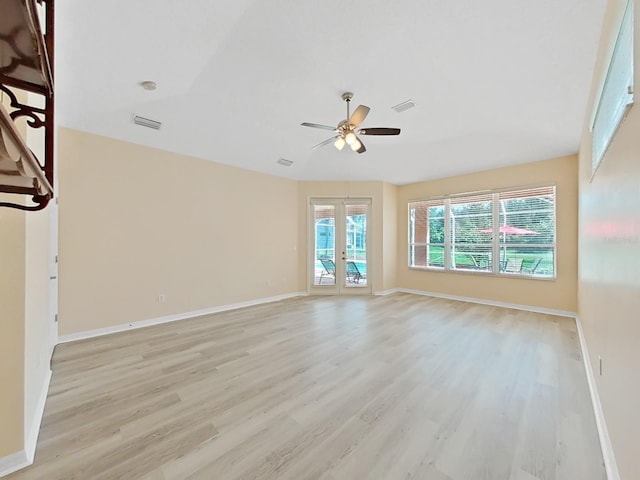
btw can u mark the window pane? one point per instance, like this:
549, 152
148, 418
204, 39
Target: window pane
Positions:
436, 255
616, 93
470, 234
471, 257
426, 256
325, 269
527, 232
436, 224
356, 245
527, 260
426, 233
529, 218
418, 223
418, 256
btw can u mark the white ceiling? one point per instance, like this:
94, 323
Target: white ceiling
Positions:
496, 82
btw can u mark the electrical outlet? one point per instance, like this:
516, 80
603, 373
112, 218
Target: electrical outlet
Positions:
161, 298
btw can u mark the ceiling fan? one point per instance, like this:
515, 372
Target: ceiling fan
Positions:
349, 129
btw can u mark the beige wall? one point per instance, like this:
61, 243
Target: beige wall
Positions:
609, 269
12, 283
558, 294
373, 190
136, 222
389, 236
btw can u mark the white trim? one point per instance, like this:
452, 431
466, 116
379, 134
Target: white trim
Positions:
608, 456
387, 292
528, 308
32, 436
172, 318
13, 463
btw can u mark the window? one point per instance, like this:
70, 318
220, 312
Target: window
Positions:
617, 92
470, 220
457, 233
426, 224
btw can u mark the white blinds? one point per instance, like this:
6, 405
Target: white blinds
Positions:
427, 233
510, 232
471, 220
617, 92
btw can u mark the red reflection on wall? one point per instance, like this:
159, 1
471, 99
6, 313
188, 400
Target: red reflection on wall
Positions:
626, 230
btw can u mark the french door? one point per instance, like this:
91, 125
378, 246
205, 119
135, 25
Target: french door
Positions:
339, 239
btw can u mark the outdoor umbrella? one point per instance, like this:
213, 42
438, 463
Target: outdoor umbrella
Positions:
510, 230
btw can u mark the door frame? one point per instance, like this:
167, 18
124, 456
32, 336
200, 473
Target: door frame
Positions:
53, 275
339, 287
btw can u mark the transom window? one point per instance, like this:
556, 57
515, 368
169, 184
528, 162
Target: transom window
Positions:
503, 233
616, 97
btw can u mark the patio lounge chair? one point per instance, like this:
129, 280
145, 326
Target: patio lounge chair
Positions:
329, 268
353, 273
511, 265
531, 269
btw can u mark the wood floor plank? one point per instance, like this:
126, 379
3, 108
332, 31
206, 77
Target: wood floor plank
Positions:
334, 388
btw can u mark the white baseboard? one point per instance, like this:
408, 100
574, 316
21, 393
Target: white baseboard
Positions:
24, 458
387, 292
13, 463
172, 318
605, 441
528, 308
31, 438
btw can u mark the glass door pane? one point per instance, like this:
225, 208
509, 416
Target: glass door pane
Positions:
355, 247
338, 241
324, 244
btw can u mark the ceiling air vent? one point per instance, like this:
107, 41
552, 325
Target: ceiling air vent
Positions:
146, 122
285, 162
401, 107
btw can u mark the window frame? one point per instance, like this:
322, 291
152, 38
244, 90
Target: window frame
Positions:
496, 241
612, 106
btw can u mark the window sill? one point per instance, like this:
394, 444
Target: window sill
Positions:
484, 273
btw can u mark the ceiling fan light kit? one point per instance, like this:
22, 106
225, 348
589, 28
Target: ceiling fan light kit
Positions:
348, 130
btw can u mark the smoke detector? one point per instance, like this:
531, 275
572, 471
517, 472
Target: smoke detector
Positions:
148, 85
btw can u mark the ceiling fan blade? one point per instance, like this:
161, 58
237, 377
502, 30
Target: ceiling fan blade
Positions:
379, 131
362, 148
326, 142
315, 125
359, 114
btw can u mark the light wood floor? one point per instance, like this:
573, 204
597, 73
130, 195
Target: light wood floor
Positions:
395, 387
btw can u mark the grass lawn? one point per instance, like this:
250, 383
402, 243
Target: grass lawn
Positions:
480, 261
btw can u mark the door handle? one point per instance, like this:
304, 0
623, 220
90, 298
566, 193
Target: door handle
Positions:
53, 277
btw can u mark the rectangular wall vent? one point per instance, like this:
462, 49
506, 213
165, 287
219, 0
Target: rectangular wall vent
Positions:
285, 162
401, 107
146, 122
